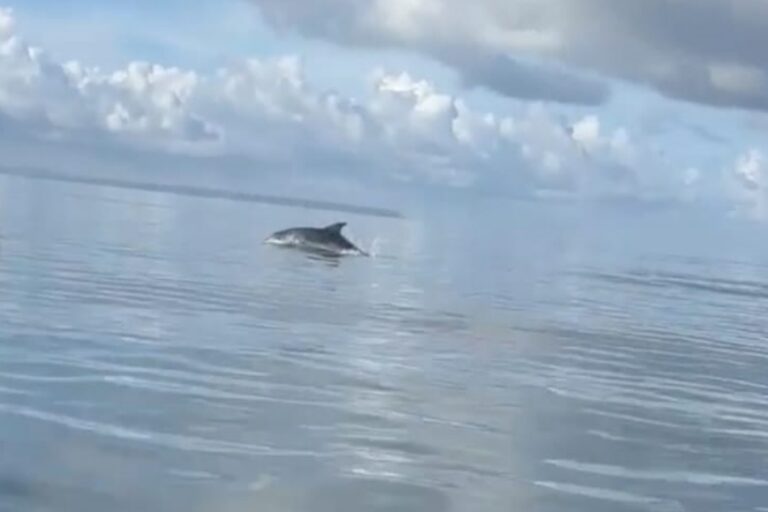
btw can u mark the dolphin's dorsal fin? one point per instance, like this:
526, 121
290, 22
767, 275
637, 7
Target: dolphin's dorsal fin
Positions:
335, 228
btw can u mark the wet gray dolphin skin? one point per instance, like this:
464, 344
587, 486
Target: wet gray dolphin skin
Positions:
327, 240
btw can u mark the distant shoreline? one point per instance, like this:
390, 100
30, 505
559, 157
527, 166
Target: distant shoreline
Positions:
202, 192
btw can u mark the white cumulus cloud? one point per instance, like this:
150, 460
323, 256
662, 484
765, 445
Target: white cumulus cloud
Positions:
748, 178
268, 110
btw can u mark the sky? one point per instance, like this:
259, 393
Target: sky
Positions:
659, 101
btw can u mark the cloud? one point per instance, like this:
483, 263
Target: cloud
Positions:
267, 110
748, 180
705, 51
459, 39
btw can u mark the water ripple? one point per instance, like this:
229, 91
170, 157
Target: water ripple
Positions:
148, 335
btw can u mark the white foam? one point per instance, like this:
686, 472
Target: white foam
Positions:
373, 250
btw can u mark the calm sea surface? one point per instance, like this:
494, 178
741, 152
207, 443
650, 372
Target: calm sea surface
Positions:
156, 356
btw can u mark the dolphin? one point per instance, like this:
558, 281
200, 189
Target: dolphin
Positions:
327, 240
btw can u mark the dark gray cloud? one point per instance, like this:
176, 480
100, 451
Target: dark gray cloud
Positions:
704, 51
358, 23
511, 77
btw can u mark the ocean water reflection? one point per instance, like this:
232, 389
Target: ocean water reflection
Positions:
155, 355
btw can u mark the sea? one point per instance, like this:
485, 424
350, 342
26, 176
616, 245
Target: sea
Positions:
490, 356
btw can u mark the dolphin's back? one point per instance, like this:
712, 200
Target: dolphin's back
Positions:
329, 235
335, 228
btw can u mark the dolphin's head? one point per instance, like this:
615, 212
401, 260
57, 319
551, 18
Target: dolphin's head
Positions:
284, 237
